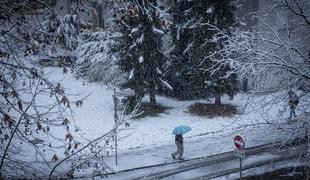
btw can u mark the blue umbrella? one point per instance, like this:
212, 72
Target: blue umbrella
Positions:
181, 130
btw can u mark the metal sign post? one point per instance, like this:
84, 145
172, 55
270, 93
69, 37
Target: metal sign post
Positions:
239, 151
127, 92
240, 154
240, 168
115, 120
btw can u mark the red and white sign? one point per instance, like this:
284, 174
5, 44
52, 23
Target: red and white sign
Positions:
239, 143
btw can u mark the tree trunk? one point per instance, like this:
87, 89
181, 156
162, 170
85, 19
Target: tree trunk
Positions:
95, 20
152, 93
100, 16
218, 98
152, 98
245, 85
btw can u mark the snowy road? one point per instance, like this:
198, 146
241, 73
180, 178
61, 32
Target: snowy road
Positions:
212, 166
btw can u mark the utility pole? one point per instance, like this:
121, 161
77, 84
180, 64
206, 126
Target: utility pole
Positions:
115, 120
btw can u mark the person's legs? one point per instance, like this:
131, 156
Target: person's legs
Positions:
175, 153
293, 111
180, 150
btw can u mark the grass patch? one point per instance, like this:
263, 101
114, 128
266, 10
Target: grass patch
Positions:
212, 110
149, 110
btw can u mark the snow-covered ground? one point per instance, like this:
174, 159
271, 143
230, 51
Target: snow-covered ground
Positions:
96, 117
148, 140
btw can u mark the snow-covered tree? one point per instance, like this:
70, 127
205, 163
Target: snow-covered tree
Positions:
192, 44
274, 54
36, 115
140, 47
25, 118
96, 60
64, 30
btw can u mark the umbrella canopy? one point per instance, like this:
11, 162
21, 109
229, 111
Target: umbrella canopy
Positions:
181, 130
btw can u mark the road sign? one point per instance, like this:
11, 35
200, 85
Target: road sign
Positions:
239, 151
239, 143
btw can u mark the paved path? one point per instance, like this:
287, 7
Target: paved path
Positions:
204, 145
212, 166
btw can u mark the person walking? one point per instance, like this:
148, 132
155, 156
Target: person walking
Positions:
180, 147
293, 101
178, 132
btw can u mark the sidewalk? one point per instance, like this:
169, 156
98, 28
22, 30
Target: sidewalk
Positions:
194, 147
217, 165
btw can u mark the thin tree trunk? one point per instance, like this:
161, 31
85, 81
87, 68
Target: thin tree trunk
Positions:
100, 16
95, 19
152, 93
218, 98
152, 98
245, 85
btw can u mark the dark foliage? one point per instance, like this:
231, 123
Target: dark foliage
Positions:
150, 110
212, 110
139, 47
193, 41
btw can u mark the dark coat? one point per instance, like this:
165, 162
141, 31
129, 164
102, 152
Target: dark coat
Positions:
293, 99
179, 138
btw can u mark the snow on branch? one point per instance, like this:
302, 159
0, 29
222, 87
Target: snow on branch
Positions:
166, 84
158, 31
95, 59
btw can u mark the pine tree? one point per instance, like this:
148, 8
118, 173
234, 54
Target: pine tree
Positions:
140, 47
221, 16
193, 40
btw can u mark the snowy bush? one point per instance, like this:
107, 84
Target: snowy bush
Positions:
96, 60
